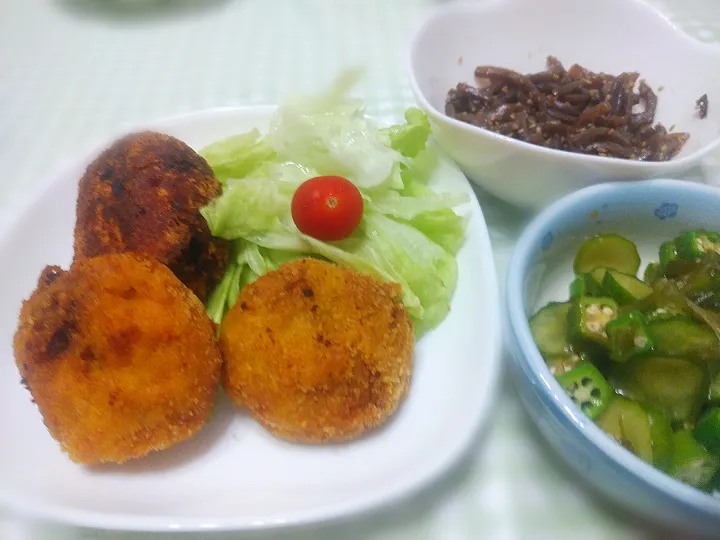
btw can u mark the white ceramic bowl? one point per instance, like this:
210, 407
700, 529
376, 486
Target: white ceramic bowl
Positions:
611, 36
647, 213
234, 475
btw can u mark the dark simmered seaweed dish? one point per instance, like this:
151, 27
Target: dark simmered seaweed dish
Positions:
572, 109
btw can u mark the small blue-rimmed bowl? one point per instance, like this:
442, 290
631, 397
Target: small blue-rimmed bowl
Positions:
648, 213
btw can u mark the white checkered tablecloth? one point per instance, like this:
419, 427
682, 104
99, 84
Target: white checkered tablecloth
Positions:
73, 71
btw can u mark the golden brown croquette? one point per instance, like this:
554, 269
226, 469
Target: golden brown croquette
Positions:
119, 356
318, 352
143, 194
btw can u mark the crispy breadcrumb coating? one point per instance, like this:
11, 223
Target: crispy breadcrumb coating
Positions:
119, 356
143, 194
318, 352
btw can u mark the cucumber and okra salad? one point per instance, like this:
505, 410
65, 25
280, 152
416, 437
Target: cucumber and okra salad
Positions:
641, 357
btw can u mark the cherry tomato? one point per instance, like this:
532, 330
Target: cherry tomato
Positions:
327, 207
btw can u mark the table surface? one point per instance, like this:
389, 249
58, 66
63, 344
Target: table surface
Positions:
75, 71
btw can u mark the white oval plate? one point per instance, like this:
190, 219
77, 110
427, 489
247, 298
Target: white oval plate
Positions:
234, 475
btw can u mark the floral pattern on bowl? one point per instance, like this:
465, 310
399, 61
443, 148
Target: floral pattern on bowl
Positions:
666, 210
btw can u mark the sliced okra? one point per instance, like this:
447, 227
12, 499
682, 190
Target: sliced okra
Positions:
696, 243
629, 336
588, 317
563, 363
587, 388
588, 284
668, 257
682, 255
652, 273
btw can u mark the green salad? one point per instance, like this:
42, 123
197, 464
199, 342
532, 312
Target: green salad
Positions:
407, 232
641, 357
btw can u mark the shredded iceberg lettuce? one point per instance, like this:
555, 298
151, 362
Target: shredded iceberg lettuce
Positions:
409, 234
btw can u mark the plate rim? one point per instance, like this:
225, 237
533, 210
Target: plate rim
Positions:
478, 419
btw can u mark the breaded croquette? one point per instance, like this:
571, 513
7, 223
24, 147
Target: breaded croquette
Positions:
318, 352
143, 194
119, 356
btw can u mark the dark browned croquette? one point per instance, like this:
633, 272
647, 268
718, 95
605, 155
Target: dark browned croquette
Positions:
143, 194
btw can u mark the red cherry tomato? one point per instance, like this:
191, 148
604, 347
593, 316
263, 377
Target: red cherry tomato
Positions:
327, 207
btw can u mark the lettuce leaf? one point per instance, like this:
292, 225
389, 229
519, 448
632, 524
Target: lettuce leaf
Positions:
238, 156
410, 139
409, 234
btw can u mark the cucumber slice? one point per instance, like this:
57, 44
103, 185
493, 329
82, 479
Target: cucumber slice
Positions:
624, 288
549, 329
707, 430
598, 275
681, 336
676, 386
714, 394
713, 487
661, 435
692, 463
642, 430
610, 251
609, 420
626, 422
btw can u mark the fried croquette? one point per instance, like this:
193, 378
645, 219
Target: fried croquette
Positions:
143, 194
119, 357
318, 352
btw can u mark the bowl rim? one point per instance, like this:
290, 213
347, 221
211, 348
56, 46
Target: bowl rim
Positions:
463, 7
533, 366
